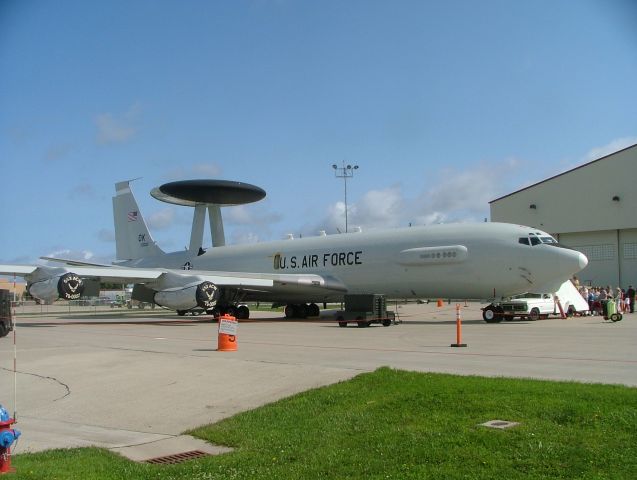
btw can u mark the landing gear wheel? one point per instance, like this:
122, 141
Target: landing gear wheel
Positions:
534, 314
289, 311
232, 311
490, 315
313, 310
181, 313
4, 330
243, 312
300, 310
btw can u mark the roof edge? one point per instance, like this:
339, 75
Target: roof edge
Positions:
563, 173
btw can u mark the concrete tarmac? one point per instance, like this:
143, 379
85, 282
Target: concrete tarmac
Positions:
117, 380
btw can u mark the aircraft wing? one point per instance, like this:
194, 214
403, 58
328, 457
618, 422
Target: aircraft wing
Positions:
163, 279
105, 273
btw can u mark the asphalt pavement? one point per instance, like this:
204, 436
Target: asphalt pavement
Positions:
119, 379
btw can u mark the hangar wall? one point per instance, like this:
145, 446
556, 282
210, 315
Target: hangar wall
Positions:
592, 208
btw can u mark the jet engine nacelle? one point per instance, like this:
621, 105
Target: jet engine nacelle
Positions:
204, 295
68, 286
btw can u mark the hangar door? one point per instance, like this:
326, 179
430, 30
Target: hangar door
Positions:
612, 256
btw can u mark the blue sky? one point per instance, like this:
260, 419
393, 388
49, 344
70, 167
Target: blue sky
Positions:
444, 105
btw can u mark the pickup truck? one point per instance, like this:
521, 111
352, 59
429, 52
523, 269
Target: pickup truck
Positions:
529, 305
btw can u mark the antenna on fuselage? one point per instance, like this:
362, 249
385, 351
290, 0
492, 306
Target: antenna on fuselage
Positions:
208, 195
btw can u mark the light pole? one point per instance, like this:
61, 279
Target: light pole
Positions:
345, 172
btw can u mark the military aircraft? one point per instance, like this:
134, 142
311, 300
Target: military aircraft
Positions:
467, 260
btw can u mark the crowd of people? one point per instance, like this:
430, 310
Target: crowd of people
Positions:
624, 298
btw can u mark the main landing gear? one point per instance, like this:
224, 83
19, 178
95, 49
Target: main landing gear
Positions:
302, 310
240, 312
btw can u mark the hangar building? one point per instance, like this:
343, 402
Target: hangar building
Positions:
591, 208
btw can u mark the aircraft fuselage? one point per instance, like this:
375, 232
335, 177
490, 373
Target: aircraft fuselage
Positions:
484, 260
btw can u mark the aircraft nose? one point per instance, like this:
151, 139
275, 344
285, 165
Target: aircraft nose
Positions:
573, 260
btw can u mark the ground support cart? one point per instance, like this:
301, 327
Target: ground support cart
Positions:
610, 311
364, 310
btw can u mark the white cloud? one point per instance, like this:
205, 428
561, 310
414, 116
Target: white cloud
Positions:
469, 190
241, 237
207, 169
464, 195
238, 215
161, 219
105, 235
378, 208
612, 147
117, 128
254, 215
432, 218
66, 253
79, 255
452, 196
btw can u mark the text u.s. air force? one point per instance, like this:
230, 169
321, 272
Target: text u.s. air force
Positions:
334, 259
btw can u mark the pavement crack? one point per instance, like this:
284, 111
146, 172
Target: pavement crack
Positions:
44, 377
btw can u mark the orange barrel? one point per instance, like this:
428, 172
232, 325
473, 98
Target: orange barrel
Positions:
440, 303
227, 334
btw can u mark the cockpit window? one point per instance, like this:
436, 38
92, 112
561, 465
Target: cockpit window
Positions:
536, 239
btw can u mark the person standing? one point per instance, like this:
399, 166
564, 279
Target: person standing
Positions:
630, 293
619, 300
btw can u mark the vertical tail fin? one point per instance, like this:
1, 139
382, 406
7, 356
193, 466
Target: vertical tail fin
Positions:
133, 240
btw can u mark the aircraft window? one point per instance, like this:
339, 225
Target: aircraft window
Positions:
548, 240
524, 241
535, 241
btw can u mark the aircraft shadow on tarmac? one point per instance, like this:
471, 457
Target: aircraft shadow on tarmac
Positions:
171, 321
64, 323
446, 322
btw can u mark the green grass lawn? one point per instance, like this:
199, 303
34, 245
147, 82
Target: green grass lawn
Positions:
395, 424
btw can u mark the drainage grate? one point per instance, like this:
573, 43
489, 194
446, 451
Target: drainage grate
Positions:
177, 458
500, 424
